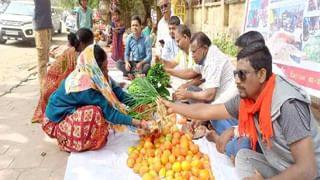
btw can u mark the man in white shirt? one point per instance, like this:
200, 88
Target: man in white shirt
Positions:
163, 27
215, 67
183, 59
170, 48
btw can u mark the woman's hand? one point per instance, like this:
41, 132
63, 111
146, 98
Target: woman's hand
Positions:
140, 123
144, 125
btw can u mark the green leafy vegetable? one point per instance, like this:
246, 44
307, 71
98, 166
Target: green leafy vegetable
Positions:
146, 90
159, 79
144, 96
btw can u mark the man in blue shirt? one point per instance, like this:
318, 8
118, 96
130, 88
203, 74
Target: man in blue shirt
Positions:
138, 51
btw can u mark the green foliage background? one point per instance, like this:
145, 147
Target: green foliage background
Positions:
128, 7
225, 44
70, 4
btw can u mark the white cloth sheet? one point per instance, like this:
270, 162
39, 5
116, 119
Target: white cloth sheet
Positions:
110, 162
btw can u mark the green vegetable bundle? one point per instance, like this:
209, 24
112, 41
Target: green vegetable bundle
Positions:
146, 90
159, 79
144, 98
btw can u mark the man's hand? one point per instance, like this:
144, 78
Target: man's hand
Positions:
195, 123
183, 86
157, 59
168, 70
224, 139
168, 105
116, 30
128, 66
257, 176
181, 94
139, 65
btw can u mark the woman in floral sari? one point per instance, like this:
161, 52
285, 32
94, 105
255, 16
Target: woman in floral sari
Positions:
61, 68
80, 111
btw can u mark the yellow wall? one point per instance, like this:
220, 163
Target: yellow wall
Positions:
236, 19
210, 19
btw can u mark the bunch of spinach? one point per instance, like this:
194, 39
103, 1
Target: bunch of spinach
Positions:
159, 79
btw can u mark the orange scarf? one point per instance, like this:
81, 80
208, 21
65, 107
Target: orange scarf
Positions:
247, 110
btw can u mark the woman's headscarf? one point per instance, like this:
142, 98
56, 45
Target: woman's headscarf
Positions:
87, 74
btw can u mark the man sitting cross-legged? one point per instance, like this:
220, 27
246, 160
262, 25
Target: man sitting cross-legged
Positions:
138, 52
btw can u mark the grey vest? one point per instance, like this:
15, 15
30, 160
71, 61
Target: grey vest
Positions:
280, 156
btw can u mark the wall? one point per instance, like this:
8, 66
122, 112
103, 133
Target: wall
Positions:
216, 17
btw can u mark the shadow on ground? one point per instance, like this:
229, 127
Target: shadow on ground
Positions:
25, 151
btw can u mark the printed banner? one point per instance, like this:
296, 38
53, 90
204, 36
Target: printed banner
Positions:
292, 32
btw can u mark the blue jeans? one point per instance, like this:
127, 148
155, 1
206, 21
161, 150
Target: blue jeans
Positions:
221, 125
235, 144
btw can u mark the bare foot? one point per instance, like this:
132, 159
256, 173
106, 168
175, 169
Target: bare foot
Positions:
212, 136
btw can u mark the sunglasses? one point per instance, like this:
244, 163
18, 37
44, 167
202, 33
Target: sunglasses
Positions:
164, 6
242, 74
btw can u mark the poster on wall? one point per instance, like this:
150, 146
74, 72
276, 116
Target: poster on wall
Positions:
292, 32
179, 9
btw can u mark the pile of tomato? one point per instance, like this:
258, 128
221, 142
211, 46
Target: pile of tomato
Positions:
170, 155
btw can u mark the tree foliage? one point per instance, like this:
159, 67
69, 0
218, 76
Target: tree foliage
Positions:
128, 7
70, 4
137, 7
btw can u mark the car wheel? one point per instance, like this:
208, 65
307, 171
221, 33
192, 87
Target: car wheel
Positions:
2, 41
60, 27
32, 43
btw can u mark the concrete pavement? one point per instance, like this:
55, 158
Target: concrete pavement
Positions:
25, 152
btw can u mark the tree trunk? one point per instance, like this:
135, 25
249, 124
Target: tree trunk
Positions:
147, 7
104, 6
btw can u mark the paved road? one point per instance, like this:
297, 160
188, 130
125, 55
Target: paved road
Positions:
25, 152
18, 61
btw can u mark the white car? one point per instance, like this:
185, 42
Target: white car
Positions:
71, 23
16, 21
3, 6
56, 15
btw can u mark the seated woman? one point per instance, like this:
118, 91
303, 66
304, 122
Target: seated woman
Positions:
61, 68
80, 110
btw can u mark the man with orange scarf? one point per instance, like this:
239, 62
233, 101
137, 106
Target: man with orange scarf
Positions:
274, 113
